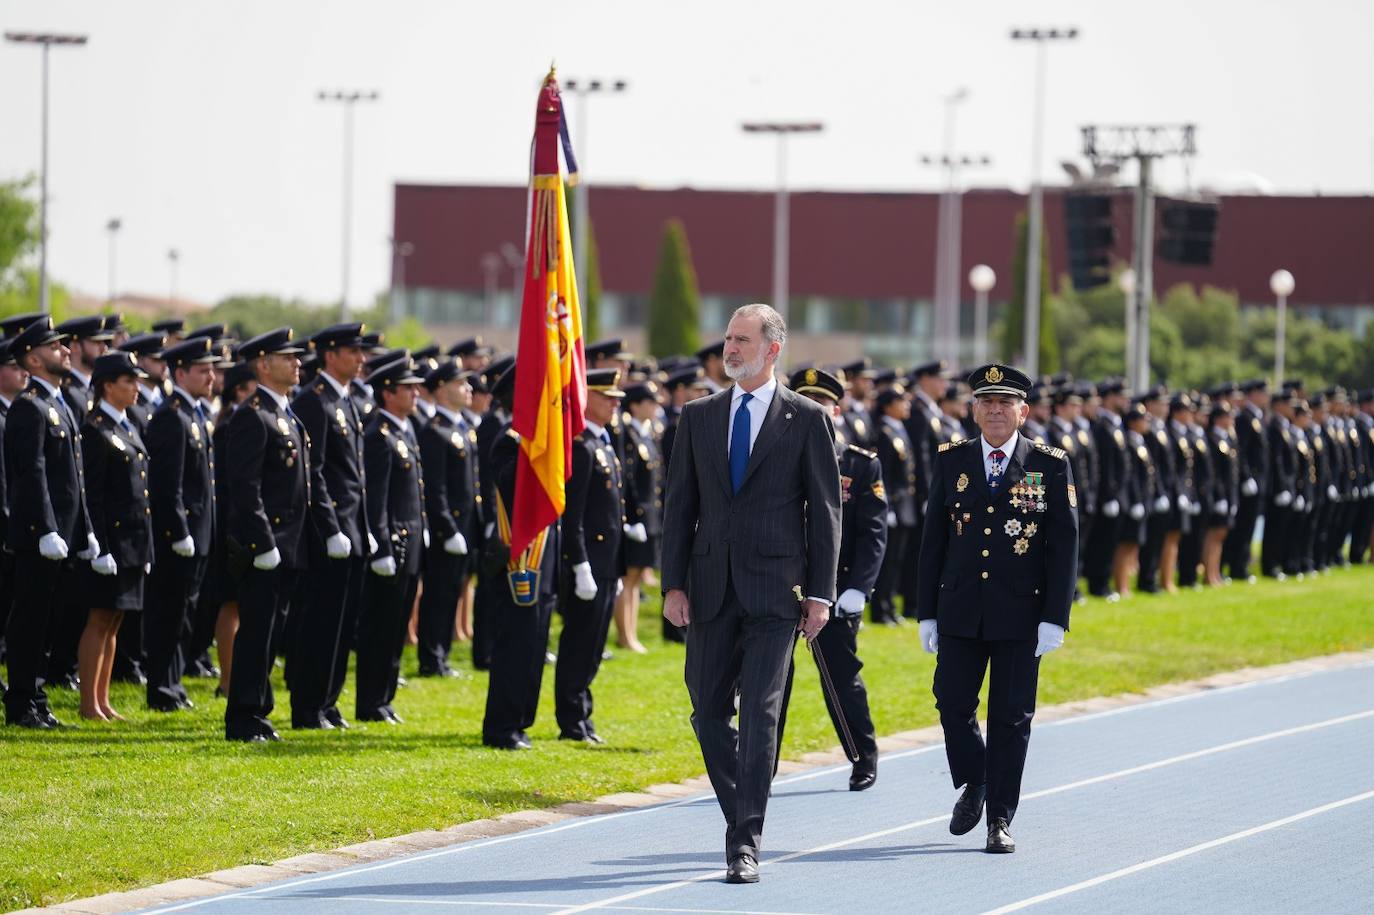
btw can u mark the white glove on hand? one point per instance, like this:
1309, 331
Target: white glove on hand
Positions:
424, 535
52, 546
1049, 637
1137, 511
636, 532
1161, 505
1283, 499
584, 585
456, 545
1250, 487
371, 544
185, 547
1184, 503
92, 549
267, 561
891, 519
385, 567
491, 526
852, 601
1223, 507
1332, 493
930, 636
1195, 508
147, 568
1299, 504
338, 546
104, 565
1111, 509
619, 587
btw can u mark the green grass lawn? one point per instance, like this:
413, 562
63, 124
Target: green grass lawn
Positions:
95, 808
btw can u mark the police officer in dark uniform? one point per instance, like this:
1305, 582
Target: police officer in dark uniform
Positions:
1164, 521
396, 519
644, 475
491, 581
50, 526
1280, 512
337, 542
857, 418
897, 455
1113, 478
269, 486
998, 568
88, 341
147, 351
13, 380
1252, 444
181, 474
862, 541
448, 451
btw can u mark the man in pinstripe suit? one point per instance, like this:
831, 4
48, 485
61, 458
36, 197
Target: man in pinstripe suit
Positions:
751, 539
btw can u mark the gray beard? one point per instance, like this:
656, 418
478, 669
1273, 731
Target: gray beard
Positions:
744, 370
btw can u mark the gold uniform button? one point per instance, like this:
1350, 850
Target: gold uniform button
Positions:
990, 509
987, 532
985, 554
985, 575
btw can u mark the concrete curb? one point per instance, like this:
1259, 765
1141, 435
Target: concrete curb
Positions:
250, 875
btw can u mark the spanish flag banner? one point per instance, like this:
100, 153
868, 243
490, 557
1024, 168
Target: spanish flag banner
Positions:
551, 386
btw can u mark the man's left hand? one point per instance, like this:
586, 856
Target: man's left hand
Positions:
1048, 637
815, 615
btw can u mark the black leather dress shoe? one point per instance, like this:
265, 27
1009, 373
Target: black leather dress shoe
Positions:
166, 707
391, 715
590, 737
243, 737
742, 869
373, 715
999, 840
863, 776
968, 810
32, 720
509, 742
315, 722
336, 718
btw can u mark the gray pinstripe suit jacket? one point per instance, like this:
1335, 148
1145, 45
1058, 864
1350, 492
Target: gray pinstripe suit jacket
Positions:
780, 532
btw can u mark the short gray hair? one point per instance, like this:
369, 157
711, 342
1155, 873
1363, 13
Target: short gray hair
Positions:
774, 327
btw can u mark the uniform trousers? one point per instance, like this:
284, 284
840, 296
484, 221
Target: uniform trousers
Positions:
580, 645
6, 602
1238, 546
173, 588
519, 642
959, 668
487, 602
890, 574
1156, 526
36, 586
1276, 524
1190, 552
445, 577
910, 562
263, 596
746, 654
382, 623
320, 655
1099, 553
129, 653
839, 646
1360, 530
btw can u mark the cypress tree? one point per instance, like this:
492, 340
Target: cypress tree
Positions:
675, 305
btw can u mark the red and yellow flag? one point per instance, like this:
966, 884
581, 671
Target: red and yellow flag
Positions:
551, 384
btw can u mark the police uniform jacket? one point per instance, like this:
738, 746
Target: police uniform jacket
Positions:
1142, 482
1252, 445
1064, 437
448, 454
395, 491
1168, 475
1202, 467
898, 459
860, 425
335, 430
1034, 431
1225, 479
117, 490
77, 394
1089, 484
504, 457
595, 511
994, 566
926, 433
46, 476
1113, 459
1305, 477
643, 467
863, 521
4, 477
1283, 457
181, 475
269, 479
489, 432
1184, 463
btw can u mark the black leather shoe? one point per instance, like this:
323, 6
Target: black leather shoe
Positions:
391, 715
863, 776
186, 703
316, 722
999, 840
509, 742
32, 720
968, 810
590, 737
166, 707
336, 718
742, 869
246, 738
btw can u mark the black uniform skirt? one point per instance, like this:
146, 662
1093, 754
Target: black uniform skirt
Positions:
643, 555
120, 591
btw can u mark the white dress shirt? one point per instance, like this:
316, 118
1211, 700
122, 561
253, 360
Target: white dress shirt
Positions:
1008, 449
758, 409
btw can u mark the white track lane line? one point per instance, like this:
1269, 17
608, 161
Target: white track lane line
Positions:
916, 824
1181, 853
452, 903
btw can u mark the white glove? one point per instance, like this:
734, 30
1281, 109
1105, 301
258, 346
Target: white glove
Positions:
1331, 493
1184, 503
52, 546
1111, 509
385, 567
147, 568
891, 519
636, 531
92, 549
185, 547
851, 601
104, 565
1283, 499
267, 561
371, 544
1161, 505
1223, 507
456, 545
1195, 508
1137, 511
1299, 504
619, 587
491, 526
1250, 487
930, 636
424, 535
584, 586
1049, 637
338, 546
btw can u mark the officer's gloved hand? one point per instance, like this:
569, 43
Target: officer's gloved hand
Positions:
619, 587
1195, 508
385, 566
1137, 511
371, 544
267, 561
1283, 499
1223, 507
1161, 505
636, 531
1250, 487
930, 636
491, 526
851, 601
338, 546
891, 519
185, 547
1048, 638
424, 536
1332, 493
104, 565
456, 545
1111, 508
584, 585
147, 568
52, 546
1299, 504
92, 549
1185, 504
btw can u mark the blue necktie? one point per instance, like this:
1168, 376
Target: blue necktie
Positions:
605, 436
124, 424
739, 443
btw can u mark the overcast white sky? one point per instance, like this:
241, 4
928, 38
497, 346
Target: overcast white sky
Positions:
196, 122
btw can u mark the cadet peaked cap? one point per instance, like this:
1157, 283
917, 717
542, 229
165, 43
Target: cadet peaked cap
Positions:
472, 346
86, 327
888, 396
858, 366
605, 381
443, 373
645, 390
114, 323
400, 372
350, 334
999, 379
375, 341
385, 358
1253, 385
170, 326
713, 349
608, 349
149, 345
239, 373
39, 333
112, 365
684, 377
213, 331
816, 381
928, 368
12, 325
274, 341
195, 351
505, 383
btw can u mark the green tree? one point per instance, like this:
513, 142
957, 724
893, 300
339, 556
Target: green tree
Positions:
675, 304
591, 305
1013, 324
18, 224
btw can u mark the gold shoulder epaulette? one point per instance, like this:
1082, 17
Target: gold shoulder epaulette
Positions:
319, 389
945, 446
864, 451
1056, 453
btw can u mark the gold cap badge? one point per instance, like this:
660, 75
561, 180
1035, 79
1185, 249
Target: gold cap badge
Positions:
993, 375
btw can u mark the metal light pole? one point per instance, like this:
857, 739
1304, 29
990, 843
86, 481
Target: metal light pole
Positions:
1127, 283
1281, 284
582, 88
46, 40
1035, 226
948, 251
113, 228
982, 279
349, 99
173, 259
781, 204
